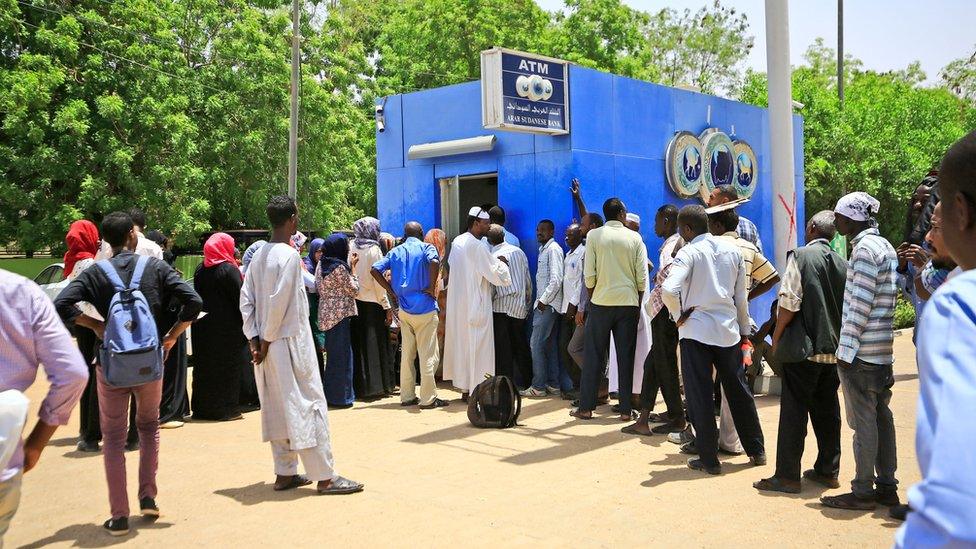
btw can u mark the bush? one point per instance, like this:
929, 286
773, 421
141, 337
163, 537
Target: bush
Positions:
904, 314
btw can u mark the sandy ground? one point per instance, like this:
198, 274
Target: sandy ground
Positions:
432, 479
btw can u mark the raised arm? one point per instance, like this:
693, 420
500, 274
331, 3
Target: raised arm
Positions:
574, 187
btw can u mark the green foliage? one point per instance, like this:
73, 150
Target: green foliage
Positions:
904, 314
889, 134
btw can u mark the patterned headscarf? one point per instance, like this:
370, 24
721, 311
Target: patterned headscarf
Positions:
438, 239
309, 259
335, 253
367, 231
82, 240
858, 206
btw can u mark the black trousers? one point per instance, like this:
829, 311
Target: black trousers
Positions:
661, 367
809, 390
512, 355
601, 322
566, 329
697, 360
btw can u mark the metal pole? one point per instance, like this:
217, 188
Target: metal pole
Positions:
840, 52
781, 129
295, 86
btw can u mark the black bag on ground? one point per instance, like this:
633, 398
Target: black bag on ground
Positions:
495, 403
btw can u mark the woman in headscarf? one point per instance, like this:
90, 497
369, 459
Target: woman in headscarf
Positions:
220, 350
83, 245
438, 239
249, 253
337, 288
373, 374
309, 262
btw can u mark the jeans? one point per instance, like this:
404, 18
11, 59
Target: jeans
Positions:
545, 348
867, 392
113, 407
809, 390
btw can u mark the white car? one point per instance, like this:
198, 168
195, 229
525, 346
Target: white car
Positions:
50, 280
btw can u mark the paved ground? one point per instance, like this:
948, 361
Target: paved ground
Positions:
432, 479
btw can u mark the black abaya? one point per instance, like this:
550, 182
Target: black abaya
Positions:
221, 356
372, 360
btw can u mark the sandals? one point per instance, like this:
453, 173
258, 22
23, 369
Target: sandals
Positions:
341, 486
578, 414
295, 481
773, 484
632, 430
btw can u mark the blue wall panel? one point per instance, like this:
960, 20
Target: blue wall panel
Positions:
595, 172
389, 144
452, 112
389, 197
420, 192
643, 120
516, 193
590, 109
691, 111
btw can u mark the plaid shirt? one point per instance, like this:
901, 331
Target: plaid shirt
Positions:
748, 231
869, 301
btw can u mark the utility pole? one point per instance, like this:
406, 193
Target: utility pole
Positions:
781, 129
295, 86
840, 52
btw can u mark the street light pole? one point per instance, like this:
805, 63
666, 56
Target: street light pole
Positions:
840, 52
295, 86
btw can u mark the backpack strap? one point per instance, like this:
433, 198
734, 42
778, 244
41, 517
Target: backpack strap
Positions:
137, 274
112, 274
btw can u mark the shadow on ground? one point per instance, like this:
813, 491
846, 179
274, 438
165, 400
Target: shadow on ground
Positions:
263, 492
93, 535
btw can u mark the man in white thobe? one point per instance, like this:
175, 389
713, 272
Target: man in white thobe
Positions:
294, 416
469, 345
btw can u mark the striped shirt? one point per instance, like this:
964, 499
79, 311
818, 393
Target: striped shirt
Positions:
758, 269
513, 300
748, 230
549, 275
867, 330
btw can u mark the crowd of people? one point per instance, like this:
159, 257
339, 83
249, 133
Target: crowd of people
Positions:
367, 315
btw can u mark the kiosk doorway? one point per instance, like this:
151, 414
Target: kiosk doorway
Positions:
459, 194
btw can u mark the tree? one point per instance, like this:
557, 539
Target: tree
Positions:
602, 34
890, 133
702, 48
960, 77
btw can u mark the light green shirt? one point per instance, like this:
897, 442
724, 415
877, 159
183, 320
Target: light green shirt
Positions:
615, 265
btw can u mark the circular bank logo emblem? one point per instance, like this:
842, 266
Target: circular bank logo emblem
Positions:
684, 164
717, 148
746, 176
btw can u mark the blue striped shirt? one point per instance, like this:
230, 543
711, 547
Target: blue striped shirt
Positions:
867, 325
513, 300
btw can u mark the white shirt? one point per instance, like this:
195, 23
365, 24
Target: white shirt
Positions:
369, 289
572, 277
709, 275
513, 300
667, 251
148, 247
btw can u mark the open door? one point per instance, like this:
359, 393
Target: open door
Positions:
459, 194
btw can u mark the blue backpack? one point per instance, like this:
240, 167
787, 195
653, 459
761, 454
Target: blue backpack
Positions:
131, 353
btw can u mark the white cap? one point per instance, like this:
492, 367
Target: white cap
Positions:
477, 211
633, 218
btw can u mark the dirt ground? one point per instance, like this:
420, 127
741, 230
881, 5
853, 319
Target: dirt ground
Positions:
431, 479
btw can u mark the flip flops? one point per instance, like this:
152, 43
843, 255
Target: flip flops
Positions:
631, 430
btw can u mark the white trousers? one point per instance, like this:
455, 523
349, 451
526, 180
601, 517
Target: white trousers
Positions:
317, 460
728, 437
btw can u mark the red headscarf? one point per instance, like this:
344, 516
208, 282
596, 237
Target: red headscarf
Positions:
218, 249
82, 240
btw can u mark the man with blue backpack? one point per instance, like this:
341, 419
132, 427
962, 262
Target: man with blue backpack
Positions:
129, 292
